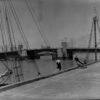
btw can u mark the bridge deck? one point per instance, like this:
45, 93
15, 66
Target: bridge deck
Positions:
83, 50
38, 52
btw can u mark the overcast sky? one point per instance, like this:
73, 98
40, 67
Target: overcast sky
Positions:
57, 19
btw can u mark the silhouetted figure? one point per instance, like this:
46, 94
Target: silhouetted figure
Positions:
79, 63
58, 62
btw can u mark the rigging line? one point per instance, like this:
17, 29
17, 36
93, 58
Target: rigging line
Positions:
3, 81
11, 28
9, 25
8, 28
16, 71
1, 28
8, 78
2, 37
32, 9
21, 31
8, 70
98, 29
34, 19
2, 32
9, 19
18, 24
89, 42
4, 10
3, 25
6, 65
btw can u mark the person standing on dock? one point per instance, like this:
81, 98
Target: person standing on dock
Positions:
58, 62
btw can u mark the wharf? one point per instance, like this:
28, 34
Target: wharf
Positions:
80, 84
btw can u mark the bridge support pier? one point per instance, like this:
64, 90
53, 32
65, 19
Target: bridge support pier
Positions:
70, 55
54, 57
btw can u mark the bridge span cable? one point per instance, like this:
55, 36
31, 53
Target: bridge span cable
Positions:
18, 24
29, 6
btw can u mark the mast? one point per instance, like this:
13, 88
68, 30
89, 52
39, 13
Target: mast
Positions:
95, 36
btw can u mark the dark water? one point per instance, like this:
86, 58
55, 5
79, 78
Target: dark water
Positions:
77, 83
45, 66
30, 68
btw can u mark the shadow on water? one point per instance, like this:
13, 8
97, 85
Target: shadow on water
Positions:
31, 68
45, 65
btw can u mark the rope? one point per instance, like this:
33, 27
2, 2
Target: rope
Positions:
1, 28
90, 39
3, 23
7, 26
11, 28
18, 23
29, 6
9, 19
3, 81
6, 65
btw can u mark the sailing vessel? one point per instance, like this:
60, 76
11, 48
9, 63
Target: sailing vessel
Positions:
18, 60
13, 54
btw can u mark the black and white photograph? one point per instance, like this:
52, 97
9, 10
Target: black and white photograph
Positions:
49, 49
